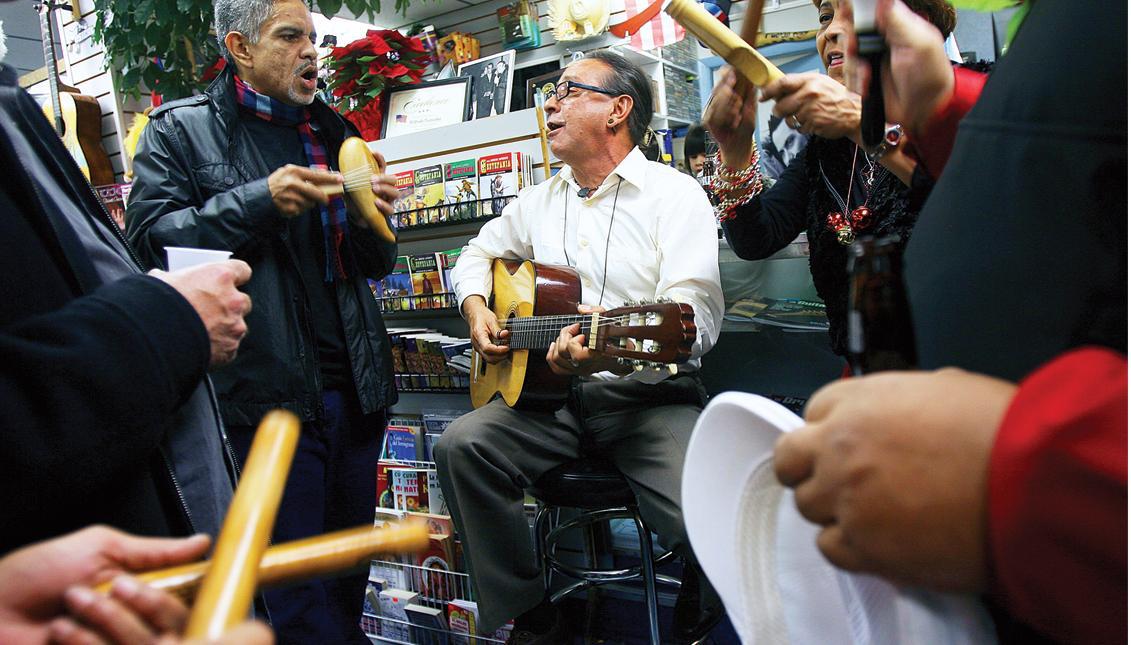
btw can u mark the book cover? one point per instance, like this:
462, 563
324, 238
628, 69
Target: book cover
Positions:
410, 489
384, 484
396, 287
392, 573
437, 420
461, 184
790, 313
403, 443
433, 577
436, 503
437, 524
425, 275
393, 603
371, 607
463, 621
382, 516
430, 439
404, 207
429, 182
371, 603
447, 261
429, 625
500, 179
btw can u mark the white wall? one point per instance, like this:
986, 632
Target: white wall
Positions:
84, 70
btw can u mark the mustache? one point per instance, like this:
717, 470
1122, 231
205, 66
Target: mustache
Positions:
301, 69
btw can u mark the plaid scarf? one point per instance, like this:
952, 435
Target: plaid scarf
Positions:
334, 229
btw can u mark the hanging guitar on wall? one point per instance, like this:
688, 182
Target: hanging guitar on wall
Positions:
76, 117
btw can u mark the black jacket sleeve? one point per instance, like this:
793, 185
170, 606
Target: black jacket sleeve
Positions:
375, 256
83, 386
167, 208
774, 218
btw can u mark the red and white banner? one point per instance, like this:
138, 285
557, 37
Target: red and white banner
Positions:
659, 31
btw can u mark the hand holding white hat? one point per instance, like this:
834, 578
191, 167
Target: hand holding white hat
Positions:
894, 468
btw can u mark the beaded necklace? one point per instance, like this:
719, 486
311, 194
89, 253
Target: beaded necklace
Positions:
844, 223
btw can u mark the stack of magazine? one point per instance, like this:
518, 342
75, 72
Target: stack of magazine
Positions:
792, 314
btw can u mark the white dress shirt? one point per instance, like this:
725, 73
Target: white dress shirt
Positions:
648, 231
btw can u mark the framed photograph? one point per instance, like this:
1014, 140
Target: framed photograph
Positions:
778, 143
491, 79
413, 108
543, 83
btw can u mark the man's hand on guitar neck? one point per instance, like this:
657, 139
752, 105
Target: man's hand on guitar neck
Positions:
569, 355
484, 329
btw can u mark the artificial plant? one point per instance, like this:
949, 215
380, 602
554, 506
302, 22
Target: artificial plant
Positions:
168, 44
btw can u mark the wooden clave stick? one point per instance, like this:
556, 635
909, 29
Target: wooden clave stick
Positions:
230, 581
749, 35
301, 559
724, 42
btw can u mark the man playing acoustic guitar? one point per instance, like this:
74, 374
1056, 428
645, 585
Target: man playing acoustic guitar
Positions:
632, 230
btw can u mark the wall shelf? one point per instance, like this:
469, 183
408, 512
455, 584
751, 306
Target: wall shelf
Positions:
418, 314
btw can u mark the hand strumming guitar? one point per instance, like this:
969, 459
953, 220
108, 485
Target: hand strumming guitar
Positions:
484, 329
569, 355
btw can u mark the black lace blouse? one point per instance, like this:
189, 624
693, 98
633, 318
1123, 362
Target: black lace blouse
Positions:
801, 200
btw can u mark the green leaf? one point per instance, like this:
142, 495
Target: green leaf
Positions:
358, 7
329, 8
1015, 24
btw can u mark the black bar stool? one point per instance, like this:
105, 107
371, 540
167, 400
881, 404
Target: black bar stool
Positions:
599, 490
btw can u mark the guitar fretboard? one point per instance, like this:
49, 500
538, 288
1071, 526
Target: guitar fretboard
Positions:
537, 332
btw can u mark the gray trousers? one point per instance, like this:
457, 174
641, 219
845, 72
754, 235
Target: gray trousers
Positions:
488, 457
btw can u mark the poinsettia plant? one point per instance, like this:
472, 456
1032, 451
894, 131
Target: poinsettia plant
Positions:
361, 70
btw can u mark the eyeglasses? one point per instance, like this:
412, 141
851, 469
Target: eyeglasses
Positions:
561, 90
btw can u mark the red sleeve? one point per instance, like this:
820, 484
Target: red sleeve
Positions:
931, 146
1058, 499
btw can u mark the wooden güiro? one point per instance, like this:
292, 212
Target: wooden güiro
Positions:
230, 582
535, 301
301, 559
724, 42
357, 165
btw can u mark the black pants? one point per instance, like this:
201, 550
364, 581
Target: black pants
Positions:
331, 486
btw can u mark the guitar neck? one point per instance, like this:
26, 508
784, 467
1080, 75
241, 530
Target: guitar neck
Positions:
537, 332
47, 34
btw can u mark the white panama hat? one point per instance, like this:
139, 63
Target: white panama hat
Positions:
762, 558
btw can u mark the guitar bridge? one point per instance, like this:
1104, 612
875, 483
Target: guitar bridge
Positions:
594, 325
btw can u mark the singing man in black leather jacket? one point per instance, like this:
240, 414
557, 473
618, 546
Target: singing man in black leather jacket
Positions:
223, 171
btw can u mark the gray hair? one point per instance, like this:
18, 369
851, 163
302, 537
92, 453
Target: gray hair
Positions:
244, 16
627, 78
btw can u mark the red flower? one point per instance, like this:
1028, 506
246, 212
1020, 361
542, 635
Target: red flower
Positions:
390, 59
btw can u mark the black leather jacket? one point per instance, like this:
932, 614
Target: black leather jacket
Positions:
199, 181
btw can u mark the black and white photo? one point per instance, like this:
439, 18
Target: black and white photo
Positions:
491, 79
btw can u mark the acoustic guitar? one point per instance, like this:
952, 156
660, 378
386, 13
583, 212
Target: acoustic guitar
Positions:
535, 301
76, 117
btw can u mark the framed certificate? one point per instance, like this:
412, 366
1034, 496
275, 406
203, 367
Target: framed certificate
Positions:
432, 104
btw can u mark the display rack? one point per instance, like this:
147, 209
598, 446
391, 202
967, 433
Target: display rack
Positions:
436, 589
522, 131
425, 303
442, 215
